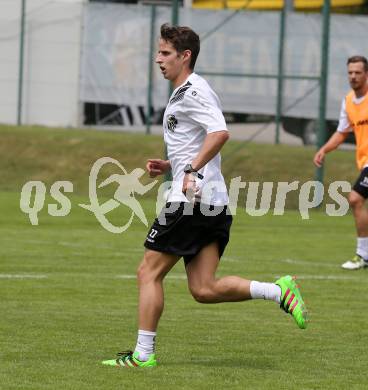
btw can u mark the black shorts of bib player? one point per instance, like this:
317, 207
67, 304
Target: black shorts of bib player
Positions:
361, 185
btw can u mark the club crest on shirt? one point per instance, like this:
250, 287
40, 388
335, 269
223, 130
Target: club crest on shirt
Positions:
171, 122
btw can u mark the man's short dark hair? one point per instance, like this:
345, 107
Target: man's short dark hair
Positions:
355, 59
182, 38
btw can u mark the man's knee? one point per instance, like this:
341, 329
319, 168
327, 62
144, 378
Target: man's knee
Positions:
202, 294
146, 271
154, 266
355, 200
142, 272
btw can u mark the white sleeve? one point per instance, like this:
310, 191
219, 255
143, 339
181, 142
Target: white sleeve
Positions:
344, 122
204, 111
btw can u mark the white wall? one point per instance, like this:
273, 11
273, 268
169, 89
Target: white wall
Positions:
51, 61
9, 33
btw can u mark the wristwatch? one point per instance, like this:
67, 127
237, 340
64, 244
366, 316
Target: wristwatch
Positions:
189, 169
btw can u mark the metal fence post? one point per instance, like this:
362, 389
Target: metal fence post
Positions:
150, 70
280, 72
175, 12
21, 62
321, 134
174, 22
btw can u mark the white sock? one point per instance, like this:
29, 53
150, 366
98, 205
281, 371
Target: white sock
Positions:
145, 344
269, 291
362, 247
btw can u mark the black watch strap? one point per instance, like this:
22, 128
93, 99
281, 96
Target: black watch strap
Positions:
189, 169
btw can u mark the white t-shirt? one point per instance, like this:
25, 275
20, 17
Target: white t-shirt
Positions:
344, 122
193, 111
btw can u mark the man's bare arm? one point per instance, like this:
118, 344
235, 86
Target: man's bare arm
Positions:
211, 146
336, 139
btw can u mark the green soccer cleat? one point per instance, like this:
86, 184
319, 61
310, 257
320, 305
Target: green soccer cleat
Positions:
292, 301
128, 359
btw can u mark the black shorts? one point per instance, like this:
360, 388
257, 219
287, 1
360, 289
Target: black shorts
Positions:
361, 185
183, 229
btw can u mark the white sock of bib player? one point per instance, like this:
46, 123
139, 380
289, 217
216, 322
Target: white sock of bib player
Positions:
362, 247
145, 344
269, 291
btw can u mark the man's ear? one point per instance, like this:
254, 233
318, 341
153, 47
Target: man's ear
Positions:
187, 54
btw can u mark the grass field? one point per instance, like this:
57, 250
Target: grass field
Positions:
68, 294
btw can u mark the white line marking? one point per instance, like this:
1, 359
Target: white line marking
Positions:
184, 277
322, 277
326, 277
230, 259
304, 277
173, 277
310, 263
20, 276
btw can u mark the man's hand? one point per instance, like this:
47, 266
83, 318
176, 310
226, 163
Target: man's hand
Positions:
336, 139
157, 167
190, 188
319, 158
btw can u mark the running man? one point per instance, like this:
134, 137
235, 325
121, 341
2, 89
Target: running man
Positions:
354, 117
195, 223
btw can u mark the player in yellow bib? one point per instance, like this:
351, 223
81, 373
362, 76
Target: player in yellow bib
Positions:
354, 117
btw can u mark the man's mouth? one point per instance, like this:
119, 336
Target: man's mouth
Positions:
163, 70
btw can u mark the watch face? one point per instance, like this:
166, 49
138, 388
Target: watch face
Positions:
188, 168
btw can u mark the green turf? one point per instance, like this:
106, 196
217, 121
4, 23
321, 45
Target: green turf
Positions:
56, 329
